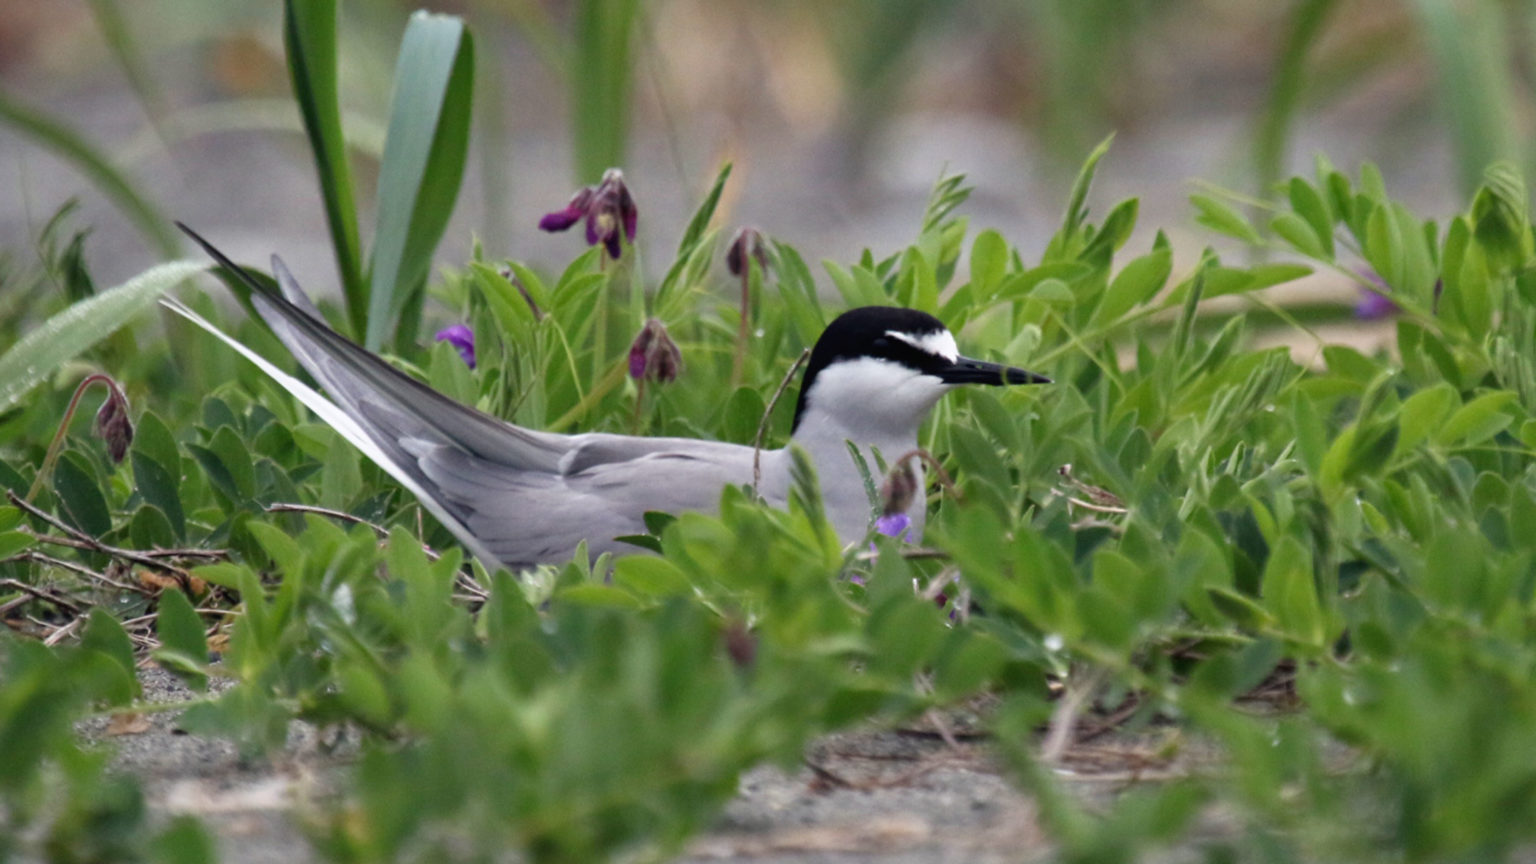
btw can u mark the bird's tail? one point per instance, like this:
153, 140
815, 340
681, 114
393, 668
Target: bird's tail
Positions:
384, 412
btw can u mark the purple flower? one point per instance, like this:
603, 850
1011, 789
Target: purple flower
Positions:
896, 525
608, 209
1374, 304
654, 355
573, 212
462, 338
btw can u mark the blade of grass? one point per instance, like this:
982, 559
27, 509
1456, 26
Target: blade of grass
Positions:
309, 37
119, 38
1471, 51
42, 351
601, 78
424, 155
365, 138
1307, 19
65, 143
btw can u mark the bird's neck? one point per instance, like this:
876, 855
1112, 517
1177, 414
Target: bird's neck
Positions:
843, 487
826, 438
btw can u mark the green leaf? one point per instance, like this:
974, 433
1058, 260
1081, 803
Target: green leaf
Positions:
1423, 413
185, 649
12, 542
1077, 209
150, 529
1500, 220
159, 488
341, 480
989, 263
601, 596
80, 497
1290, 595
283, 549
104, 633
45, 348
701, 217
1220, 217
1310, 205
236, 459
743, 414
224, 574
309, 38
154, 439
1114, 232
424, 154
656, 521
1299, 233
655, 577
1478, 420
1135, 284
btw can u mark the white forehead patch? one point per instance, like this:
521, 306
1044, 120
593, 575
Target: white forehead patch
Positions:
940, 343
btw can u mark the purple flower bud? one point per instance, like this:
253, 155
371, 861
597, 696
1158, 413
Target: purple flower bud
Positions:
654, 355
112, 423
462, 338
637, 352
740, 644
748, 243
608, 209
897, 490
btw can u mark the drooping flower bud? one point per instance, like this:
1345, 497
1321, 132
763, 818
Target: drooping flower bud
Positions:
112, 422
462, 338
740, 643
896, 495
747, 244
654, 355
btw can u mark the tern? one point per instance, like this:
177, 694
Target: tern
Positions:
521, 497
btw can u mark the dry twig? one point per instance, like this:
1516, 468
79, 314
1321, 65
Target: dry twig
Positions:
762, 427
95, 545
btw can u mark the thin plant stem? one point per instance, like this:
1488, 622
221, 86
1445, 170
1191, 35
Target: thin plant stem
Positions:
762, 427
57, 444
738, 368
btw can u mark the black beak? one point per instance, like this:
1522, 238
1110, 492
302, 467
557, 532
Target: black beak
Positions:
968, 371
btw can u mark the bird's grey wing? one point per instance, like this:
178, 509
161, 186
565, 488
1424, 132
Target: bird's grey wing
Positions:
526, 518
362, 382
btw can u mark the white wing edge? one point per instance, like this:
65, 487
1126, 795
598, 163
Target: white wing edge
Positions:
347, 428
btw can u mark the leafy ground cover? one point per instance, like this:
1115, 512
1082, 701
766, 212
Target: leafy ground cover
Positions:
1182, 524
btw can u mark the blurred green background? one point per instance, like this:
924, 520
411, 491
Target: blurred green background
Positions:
839, 116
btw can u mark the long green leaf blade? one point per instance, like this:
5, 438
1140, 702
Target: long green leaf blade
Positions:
82, 325
65, 143
601, 79
309, 37
424, 155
